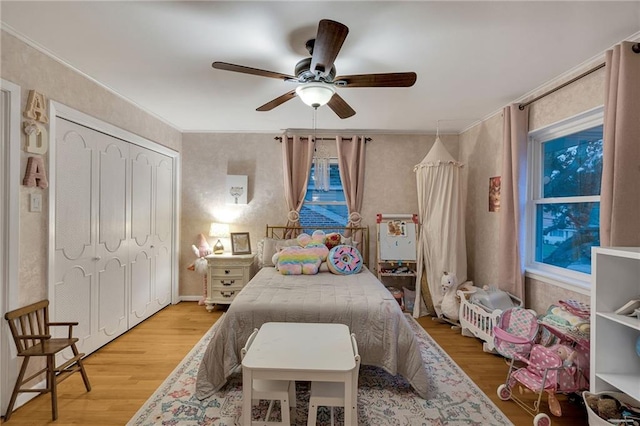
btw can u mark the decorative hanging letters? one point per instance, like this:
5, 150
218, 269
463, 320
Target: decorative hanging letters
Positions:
35, 175
35, 113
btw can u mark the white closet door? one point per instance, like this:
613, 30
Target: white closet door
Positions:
91, 255
142, 247
163, 234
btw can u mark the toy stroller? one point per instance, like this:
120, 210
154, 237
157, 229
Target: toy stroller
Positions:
546, 370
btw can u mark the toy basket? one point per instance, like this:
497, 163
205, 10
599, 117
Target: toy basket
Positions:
595, 419
478, 321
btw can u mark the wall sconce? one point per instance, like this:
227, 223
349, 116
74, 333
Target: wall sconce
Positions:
219, 230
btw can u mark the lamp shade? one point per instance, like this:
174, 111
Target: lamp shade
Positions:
315, 94
219, 230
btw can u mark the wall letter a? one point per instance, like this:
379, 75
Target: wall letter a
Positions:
35, 174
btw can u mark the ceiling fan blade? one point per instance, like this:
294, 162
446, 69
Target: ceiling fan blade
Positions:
331, 35
395, 79
248, 70
277, 101
340, 107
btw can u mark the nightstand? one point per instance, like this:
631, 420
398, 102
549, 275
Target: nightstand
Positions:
226, 276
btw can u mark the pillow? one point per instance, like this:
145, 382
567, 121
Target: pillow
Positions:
267, 247
280, 244
332, 239
297, 260
344, 260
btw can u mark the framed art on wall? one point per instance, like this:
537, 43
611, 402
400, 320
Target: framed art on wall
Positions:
240, 243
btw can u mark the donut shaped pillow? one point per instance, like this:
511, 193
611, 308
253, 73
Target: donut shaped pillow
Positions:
344, 260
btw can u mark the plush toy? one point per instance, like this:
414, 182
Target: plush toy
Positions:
305, 259
450, 306
332, 239
566, 354
201, 249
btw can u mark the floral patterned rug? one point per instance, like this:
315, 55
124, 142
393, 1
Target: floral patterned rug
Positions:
382, 399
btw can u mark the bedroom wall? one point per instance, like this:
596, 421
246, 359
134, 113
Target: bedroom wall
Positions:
390, 185
481, 149
33, 70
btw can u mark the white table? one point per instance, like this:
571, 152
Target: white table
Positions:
301, 351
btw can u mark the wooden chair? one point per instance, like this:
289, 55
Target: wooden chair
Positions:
331, 394
282, 390
30, 330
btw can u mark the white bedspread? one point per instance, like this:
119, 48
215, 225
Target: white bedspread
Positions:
359, 301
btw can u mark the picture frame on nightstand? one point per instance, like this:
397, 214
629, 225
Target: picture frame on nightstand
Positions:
240, 243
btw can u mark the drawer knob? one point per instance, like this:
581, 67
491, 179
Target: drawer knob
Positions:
227, 293
227, 282
226, 271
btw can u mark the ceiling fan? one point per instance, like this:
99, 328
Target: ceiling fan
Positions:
316, 76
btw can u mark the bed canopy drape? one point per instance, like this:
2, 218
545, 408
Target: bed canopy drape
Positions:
441, 245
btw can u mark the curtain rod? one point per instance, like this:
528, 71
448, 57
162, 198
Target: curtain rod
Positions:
634, 47
279, 138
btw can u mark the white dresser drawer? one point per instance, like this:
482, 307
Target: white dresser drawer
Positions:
227, 271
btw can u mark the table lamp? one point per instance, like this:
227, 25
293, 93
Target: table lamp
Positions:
219, 230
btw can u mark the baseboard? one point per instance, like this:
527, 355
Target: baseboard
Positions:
190, 298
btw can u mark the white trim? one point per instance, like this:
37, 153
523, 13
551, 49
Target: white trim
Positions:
191, 299
57, 109
9, 252
560, 277
51, 55
575, 286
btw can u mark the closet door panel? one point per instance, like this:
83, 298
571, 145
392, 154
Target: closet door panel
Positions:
71, 293
112, 289
141, 245
74, 296
141, 291
74, 192
112, 241
113, 205
163, 231
141, 202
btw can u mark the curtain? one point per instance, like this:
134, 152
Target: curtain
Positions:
512, 200
351, 159
297, 154
619, 195
441, 245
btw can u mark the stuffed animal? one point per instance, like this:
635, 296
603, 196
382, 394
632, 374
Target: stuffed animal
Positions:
332, 239
305, 259
450, 306
201, 249
566, 354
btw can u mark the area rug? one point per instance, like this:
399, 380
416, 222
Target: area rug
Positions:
383, 399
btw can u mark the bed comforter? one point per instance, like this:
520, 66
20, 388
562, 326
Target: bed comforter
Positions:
359, 301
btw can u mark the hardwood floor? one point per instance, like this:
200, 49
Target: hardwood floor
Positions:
124, 373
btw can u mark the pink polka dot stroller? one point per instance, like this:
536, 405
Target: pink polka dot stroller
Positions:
540, 370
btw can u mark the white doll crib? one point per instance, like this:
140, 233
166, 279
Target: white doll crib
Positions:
478, 321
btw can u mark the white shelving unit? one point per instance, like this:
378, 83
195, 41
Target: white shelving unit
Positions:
615, 279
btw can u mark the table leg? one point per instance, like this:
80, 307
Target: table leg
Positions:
246, 396
350, 414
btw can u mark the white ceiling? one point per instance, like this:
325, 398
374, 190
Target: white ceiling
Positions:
471, 58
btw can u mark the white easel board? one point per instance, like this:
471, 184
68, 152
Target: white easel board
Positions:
397, 237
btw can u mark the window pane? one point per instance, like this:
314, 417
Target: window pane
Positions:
335, 192
566, 233
323, 215
326, 208
572, 164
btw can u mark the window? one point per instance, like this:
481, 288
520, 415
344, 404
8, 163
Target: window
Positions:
563, 214
324, 205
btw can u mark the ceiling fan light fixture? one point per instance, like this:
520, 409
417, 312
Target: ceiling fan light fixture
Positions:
315, 94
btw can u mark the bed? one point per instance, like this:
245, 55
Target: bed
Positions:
359, 301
